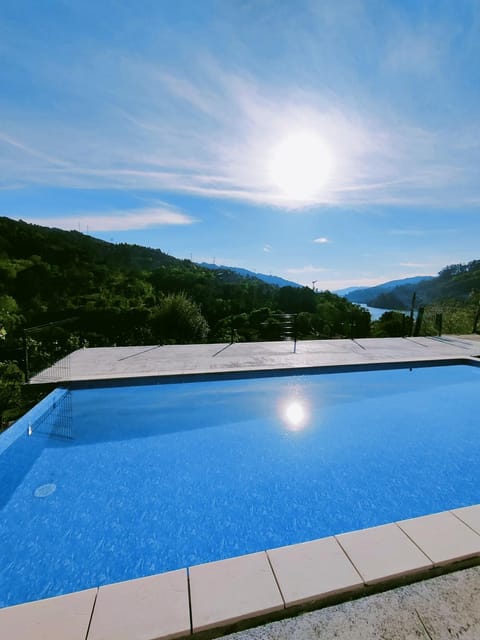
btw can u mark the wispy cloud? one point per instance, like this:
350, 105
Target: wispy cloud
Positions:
7, 140
115, 220
416, 265
409, 232
206, 124
308, 269
322, 240
418, 51
335, 284
267, 248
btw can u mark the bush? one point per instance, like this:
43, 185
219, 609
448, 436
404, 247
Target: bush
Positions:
179, 320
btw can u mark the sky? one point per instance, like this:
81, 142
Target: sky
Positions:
335, 141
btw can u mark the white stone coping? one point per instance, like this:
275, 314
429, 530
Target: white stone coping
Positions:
213, 597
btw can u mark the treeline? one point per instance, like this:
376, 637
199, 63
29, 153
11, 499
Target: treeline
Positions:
63, 290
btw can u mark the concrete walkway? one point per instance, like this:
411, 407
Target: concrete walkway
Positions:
441, 608
155, 360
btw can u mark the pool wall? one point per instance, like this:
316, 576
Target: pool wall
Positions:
35, 415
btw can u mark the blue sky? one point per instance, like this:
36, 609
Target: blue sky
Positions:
180, 125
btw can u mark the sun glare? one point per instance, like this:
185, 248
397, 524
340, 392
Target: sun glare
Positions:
300, 166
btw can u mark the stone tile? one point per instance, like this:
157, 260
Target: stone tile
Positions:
313, 570
381, 553
383, 616
469, 515
449, 606
51, 619
230, 590
151, 608
442, 537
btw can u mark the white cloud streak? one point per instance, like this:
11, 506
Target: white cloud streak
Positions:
416, 265
115, 220
308, 269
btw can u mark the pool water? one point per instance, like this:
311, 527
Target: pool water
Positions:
151, 478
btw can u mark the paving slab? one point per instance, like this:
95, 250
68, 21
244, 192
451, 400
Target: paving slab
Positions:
442, 537
469, 515
152, 608
50, 619
449, 606
227, 591
313, 571
382, 553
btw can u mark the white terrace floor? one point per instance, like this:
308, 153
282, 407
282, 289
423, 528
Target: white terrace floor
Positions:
132, 362
210, 598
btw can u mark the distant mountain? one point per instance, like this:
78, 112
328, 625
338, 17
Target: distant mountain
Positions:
457, 283
343, 292
275, 280
375, 296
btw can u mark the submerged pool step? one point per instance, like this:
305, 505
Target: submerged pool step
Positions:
217, 597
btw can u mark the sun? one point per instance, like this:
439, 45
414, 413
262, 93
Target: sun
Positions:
300, 165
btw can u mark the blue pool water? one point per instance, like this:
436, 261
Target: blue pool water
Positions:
157, 477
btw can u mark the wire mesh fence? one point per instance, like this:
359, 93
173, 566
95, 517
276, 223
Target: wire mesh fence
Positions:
57, 421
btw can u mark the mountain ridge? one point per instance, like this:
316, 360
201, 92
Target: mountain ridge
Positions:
455, 284
368, 294
246, 273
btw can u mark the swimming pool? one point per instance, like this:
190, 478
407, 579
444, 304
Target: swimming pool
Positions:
121, 482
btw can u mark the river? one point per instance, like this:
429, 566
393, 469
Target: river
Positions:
377, 313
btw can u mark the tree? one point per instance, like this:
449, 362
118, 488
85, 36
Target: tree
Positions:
10, 316
179, 320
391, 324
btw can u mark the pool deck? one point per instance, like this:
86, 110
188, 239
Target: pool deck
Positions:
114, 363
356, 579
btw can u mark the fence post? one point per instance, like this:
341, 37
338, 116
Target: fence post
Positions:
412, 309
25, 356
418, 322
439, 322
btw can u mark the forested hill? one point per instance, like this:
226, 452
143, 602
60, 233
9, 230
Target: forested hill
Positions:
94, 293
459, 283
50, 272
20, 240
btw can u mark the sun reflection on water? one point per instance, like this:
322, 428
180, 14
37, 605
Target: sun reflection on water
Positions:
295, 414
